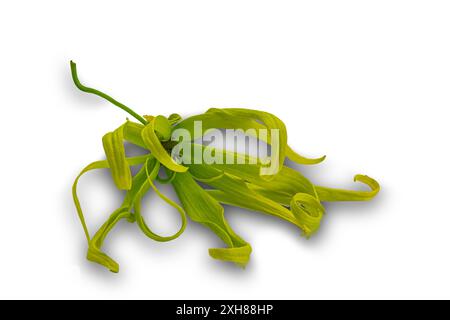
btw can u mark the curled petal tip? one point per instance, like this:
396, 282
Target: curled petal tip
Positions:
308, 211
331, 194
372, 183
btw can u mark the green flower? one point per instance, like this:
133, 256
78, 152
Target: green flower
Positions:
202, 187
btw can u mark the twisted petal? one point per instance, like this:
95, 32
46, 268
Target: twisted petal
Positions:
132, 131
94, 251
288, 188
151, 135
281, 188
269, 121
330, 194
245, 119
308, 211
202, 208
234, 191
95, 254
151, 168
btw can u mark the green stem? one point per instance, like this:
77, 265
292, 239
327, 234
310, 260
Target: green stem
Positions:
73, 68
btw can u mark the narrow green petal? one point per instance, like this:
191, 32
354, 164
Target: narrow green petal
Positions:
139, 186
244, 119
286, 189
281, 188
254, 202
330, 194
242, 185
115, 154
234, 191
151, 169
132, 133
242, 165
294, 156
94, 252
103, 164
270, 121
284, 186
205, 176
247, 121
94, 165
162, 128
153, 143
217, 120
202, 208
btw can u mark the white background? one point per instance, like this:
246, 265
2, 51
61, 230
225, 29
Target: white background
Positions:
364, 82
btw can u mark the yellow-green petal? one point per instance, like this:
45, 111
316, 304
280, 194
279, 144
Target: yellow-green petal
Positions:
94, 245
151, 169
153, 143
330, 194
308, 211
115, 154
132, 133
202, 208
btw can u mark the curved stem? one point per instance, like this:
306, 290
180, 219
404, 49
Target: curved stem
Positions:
73, 68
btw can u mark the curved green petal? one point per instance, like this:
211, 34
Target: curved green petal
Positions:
115, 154
269, 197
270, 121
202, 208
227, 119
238, 119
234, 191
281, 188
94, 252
297, 158
162, 128
287, 183
132, 132
153, 143
206, 176
330, 194
93, 166
151, 170
308, 211
103, 164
